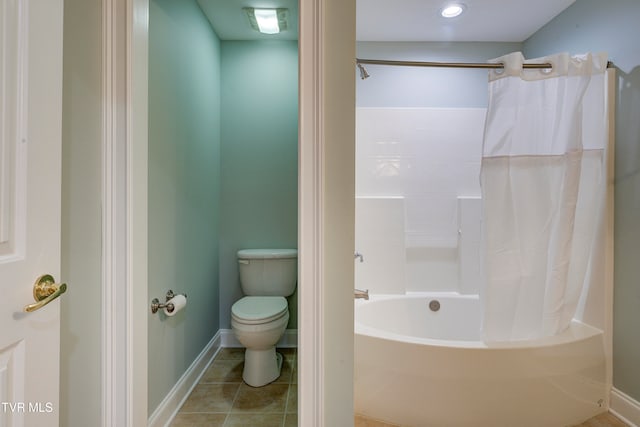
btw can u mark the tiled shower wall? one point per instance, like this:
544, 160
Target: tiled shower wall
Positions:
419, 167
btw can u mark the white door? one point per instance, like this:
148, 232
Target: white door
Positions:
30, 171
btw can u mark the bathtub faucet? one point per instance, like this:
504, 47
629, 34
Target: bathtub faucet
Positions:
358, 293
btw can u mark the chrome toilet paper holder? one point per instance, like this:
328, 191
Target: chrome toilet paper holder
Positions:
157, 305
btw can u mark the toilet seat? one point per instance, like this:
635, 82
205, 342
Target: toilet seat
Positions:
257, 310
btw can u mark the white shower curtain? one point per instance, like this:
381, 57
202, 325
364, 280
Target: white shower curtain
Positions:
542, 188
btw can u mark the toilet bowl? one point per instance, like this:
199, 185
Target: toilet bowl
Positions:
258, 323
259, 319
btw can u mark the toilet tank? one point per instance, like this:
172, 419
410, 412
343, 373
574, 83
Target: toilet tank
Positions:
268, 272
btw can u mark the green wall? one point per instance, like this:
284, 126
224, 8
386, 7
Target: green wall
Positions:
184, 186
612, 26
259, 157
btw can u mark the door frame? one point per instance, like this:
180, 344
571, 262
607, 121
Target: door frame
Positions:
124, 209
325, 211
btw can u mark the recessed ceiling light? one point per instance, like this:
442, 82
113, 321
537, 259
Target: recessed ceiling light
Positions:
453, 10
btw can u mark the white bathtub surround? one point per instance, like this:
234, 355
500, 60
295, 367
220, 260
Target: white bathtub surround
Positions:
379, 232
432, 269
431, 220
543, 180
428, 156
418, 151
417, 367
469, 224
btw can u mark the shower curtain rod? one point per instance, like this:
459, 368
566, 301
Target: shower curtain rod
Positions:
497, 65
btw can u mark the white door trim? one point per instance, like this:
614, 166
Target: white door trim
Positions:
124, 197
114, 240
326, 201
310, 217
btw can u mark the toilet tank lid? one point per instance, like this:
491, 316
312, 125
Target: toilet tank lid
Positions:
267, 253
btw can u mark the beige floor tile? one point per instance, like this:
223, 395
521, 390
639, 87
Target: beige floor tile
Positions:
221, 399
268, 399
360, 421
291, 420
294, 375
211, 398
603, 420
292, 400
254, 420
227, 371
198, 420
285, 373
231, 353
288, 353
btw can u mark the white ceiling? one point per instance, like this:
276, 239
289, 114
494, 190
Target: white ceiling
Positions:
402, 20
483, 20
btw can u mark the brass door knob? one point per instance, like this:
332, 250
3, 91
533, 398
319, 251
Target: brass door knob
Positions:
45, 290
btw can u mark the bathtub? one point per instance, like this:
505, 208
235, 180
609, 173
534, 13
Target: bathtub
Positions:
418, 367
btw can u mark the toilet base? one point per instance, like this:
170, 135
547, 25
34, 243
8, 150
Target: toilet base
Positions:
261, 367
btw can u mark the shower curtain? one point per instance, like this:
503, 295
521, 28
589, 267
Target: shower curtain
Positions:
542, 181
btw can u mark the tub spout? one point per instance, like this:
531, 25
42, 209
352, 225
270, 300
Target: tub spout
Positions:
358, 293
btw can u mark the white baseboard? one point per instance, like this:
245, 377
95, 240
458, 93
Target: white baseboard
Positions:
625, 407
166, 411
289, 338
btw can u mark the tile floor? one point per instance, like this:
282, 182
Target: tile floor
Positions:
221, 399
602, 420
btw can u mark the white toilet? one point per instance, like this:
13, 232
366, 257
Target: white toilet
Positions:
260, 318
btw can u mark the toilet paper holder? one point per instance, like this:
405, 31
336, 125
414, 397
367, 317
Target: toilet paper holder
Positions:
157, 305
